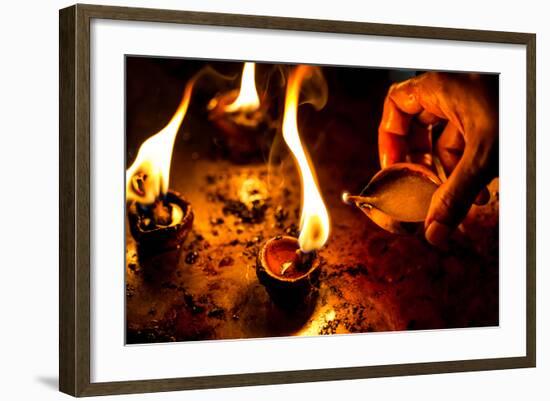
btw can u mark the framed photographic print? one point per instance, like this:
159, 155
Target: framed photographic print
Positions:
251, 200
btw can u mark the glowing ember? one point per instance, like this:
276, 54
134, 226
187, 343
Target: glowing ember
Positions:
247, 100
314, 221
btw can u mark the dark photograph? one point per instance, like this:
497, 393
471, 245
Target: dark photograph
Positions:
267, 200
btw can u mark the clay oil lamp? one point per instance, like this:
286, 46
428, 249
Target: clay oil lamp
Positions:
242, 118
159, 218
398, 197
160, 229
289, 275
289, 267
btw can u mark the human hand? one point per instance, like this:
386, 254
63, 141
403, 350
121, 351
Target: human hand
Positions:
468, 147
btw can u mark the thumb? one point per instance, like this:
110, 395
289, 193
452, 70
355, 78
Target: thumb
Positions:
452, 200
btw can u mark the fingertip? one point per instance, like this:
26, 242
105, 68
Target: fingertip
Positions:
438, 234
389, 157
385, 160
391, 148
483, 197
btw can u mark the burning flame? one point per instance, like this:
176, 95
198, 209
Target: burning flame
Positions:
314, 220
248, 99
148, 177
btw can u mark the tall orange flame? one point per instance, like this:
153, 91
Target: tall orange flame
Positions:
148, 177
248, 99
314, 220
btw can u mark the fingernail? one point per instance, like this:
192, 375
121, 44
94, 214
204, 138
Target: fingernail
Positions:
438, 234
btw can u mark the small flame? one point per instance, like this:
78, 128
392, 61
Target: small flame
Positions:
148, 177
248, 99
314, 220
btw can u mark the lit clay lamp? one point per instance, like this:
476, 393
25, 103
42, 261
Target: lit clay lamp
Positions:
288, 267
159, 219
398, 197
289, 275
241, 117
161, 228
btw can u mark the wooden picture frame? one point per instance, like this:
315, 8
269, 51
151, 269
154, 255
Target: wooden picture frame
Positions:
74, 203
